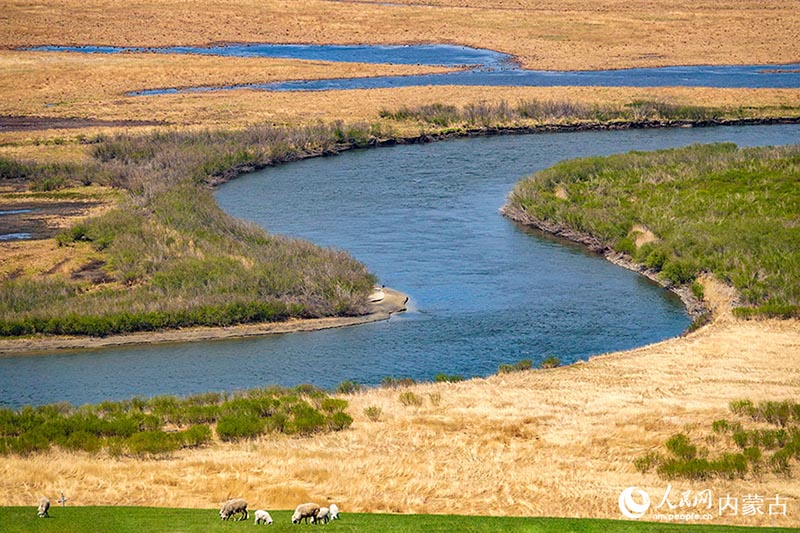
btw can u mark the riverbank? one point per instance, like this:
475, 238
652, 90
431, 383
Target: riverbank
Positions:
695, 306
559, 442
393, 302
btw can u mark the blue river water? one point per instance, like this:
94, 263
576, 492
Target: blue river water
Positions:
424, 218
481, 67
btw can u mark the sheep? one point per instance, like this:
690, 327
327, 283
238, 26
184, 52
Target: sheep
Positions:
231, 507
263, 517
44, 506
334, 511
305, 510
323, 516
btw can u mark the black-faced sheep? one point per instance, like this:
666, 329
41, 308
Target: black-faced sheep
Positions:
334, 511
44, 507
263, 517
231, 507
305, 510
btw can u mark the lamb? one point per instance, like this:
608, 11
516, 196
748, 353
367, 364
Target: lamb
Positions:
323, 516
334, 511
305, 510
263, 517
44, 506
231, 507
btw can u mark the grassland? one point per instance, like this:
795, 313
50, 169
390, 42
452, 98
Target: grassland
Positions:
134, 519
731, 212
574, 34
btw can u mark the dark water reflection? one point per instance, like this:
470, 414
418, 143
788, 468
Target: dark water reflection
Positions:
424, 219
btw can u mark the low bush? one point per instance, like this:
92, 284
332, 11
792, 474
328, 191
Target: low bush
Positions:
373, 412
410, 399
136, 426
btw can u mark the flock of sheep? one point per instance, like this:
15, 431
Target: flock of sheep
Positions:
304, 511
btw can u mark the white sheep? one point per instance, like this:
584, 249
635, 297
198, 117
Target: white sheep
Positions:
231, 507
44, 506
334, 511
263, 517
305, 510
323, 516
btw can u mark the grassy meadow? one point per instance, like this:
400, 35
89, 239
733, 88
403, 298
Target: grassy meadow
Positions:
135, 519
715, 208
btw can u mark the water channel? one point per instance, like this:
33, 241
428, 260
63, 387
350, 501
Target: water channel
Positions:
477, 67
424, 218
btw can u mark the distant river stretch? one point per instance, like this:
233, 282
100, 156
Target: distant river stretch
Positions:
478, 67
424, 218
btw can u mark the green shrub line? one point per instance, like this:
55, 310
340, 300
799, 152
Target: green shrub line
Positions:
714, 208
750, 450
138, 426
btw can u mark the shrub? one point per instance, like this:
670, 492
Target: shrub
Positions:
680, 446
195, 436
447, 378
348, 387
551, 361
236, 427
409, 399
151, 443
373, 412
339, 421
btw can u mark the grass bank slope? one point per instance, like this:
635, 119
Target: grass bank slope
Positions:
716, 208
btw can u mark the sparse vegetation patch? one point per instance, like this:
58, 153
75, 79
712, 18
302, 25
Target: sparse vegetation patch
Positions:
765, 439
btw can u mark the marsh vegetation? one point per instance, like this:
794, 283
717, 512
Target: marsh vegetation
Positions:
704, 208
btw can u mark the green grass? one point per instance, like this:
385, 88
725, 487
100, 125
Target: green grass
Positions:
715, 208
139, 519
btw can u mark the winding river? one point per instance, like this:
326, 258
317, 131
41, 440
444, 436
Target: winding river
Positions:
424, 218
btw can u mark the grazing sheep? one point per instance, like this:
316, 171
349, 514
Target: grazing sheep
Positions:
44, 506
323, 516
334, 511
263, 517
305, 510
231, 507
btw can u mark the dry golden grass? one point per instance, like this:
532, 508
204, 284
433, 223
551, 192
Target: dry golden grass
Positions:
570, 34
544, 443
